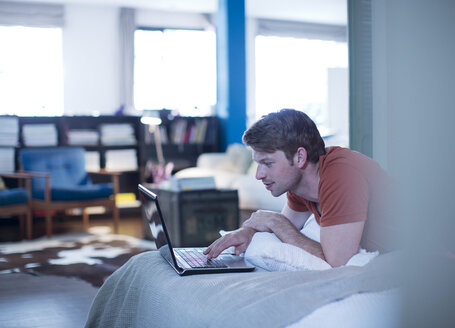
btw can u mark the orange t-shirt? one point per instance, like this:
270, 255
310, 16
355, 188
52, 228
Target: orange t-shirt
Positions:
352, 188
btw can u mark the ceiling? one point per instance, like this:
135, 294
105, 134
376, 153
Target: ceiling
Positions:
314, 11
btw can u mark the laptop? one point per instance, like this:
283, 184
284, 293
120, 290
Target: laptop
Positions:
188, 260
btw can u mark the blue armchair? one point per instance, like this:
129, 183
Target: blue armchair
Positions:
17, 201
61, 182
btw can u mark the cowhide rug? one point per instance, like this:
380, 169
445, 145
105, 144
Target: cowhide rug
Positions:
86, 256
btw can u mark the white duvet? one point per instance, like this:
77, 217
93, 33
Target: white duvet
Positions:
380, 309
372, 310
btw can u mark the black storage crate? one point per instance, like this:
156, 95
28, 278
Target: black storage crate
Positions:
194, 218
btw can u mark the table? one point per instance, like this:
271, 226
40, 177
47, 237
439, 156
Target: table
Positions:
195, 217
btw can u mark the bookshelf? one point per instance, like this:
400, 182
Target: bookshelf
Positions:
9, 140
183, 139
118, 143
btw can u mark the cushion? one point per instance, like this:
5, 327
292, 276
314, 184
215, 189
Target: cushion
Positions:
65, 164
13, 196
69, 180
2, 184
238, 159
85, 192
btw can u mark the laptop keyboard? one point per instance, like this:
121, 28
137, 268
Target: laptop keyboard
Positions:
196, 259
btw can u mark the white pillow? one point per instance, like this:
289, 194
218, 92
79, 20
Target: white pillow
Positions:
253, 168
268, 252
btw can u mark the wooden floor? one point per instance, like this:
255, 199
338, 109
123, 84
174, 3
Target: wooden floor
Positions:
130, 224
49, 301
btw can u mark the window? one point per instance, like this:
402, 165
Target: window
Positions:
175, 69
31, 71
293, 73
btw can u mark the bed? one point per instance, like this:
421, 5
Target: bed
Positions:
146, 292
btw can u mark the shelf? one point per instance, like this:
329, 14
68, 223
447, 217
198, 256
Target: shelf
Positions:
182, 154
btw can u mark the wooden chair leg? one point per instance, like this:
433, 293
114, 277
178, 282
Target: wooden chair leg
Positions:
21, 226
116, 218
28, 225
48, 223
85, 222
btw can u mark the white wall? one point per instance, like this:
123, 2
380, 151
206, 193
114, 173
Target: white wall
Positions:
91, 53
155, 18
414, 70
91, 59
338, 105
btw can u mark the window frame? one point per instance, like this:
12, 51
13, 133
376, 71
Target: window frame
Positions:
185, 111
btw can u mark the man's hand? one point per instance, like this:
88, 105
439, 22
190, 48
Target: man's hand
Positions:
287, 230
264, 221
239, 238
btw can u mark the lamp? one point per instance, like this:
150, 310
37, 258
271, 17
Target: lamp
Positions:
162, 171
153, 120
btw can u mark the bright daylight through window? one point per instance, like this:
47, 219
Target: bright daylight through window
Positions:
31, 71
175, 69
293, 73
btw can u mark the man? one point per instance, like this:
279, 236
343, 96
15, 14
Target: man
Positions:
342, 188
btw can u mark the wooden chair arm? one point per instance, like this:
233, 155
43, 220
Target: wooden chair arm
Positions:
35, 174
16, 175
104, 172
20, 176
114, 177
44, 175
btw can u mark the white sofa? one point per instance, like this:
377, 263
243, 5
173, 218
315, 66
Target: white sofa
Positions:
235, 169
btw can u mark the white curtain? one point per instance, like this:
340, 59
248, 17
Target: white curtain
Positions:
127, 27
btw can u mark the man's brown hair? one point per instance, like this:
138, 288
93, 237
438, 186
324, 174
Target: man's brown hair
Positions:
286, 130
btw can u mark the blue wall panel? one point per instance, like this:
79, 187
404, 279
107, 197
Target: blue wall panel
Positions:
231, 71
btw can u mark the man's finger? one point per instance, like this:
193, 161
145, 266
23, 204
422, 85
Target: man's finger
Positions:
240, 249
209, 248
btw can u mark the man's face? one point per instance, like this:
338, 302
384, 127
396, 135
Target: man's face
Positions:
277, 173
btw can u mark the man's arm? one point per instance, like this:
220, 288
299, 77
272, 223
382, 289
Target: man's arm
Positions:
338, 242
341, 242
286, 228
298, 219
241, 238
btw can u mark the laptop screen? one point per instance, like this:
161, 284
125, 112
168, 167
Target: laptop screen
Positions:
153, 217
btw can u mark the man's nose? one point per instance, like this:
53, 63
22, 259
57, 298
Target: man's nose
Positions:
260, 173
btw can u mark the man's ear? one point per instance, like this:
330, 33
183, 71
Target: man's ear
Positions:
301, 155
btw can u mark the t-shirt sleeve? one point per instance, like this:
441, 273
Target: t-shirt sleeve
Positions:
343, 196
296, 203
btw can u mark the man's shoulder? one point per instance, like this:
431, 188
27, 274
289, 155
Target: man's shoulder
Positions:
337, 156
337, 152
343, 164
345, 156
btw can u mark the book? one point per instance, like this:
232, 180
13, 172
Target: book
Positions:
117, 134
36, 135
92, 161
7, 159
201, 130
9, 133
192, 183
178, 131
83, 137
121, 160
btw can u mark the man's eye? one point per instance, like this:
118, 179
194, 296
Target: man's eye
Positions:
268, 164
